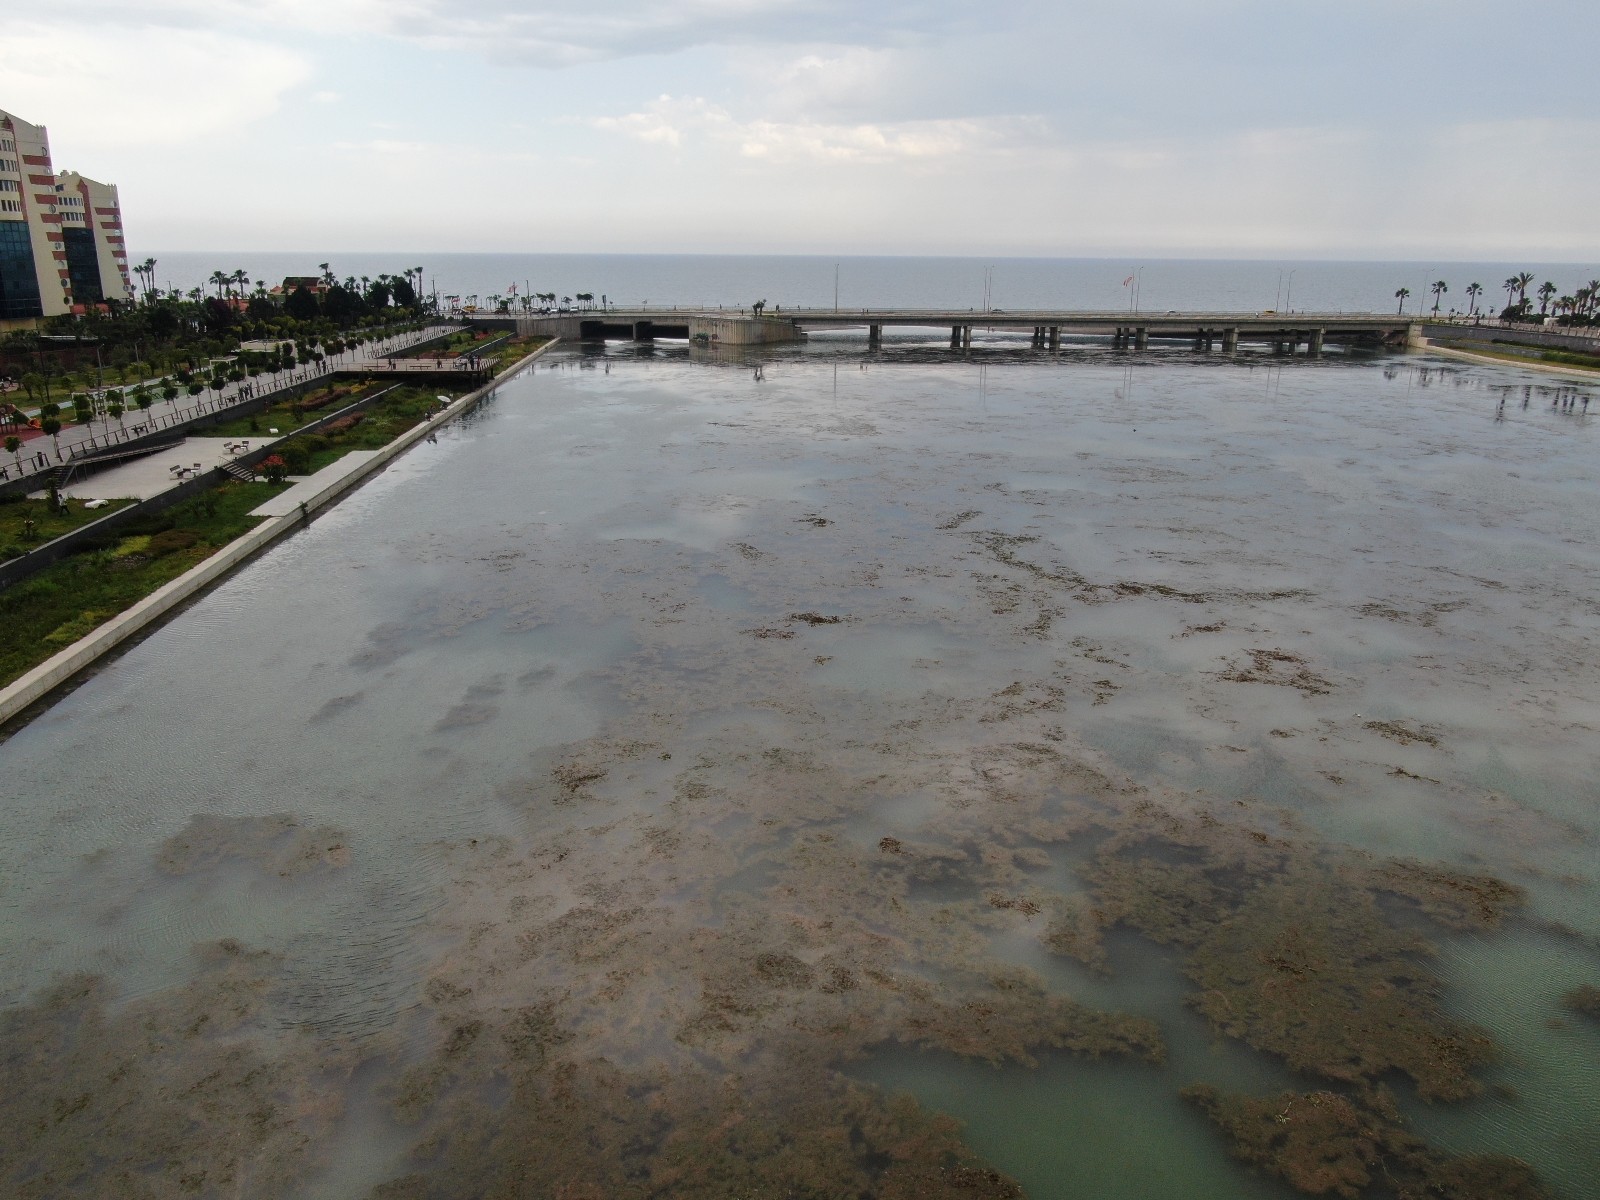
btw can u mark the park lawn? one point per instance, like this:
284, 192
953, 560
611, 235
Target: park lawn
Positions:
49, 610
49, 521
404, 408
283, 415
503, 355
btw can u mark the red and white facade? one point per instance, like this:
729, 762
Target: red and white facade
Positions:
47, 204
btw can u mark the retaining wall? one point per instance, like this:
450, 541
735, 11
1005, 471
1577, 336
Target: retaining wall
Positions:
1550, 339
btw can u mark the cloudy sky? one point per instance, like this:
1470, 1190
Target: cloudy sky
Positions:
1250, 128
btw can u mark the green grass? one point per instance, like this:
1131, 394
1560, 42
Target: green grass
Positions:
1533, 355
402, 409
60, 604
282, 415
48, 522
1572, 358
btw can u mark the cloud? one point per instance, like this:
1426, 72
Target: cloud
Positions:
557, 32
678, 122
139, 87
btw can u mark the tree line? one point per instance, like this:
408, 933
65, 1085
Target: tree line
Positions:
1581, 307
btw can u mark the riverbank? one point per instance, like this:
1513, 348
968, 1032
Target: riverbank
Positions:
1501, 360
39, 682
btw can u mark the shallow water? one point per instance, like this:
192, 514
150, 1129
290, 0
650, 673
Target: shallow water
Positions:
686, 747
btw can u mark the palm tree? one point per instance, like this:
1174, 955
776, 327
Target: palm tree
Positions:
1438, 290
1474, 290
1402, 295
1546, 291
1523, 280
1510, 287
221, 280
242, 280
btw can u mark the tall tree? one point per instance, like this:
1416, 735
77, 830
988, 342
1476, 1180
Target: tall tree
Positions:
1523, 280
1474, 290
1547, 291
1438, 290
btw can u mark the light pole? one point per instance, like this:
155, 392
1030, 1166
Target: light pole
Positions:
1288, 293
1138, 282
835, 287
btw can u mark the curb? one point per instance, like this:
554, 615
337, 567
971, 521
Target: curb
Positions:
43, 679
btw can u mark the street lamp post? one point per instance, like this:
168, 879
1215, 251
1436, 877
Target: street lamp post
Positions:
1138, 282
1288, 293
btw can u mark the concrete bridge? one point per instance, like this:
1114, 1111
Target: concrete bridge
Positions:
1286, 333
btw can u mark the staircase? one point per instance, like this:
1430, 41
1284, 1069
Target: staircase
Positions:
234, 471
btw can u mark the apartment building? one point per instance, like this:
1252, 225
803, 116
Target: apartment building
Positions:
61, 239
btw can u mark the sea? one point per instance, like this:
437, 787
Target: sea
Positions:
700, 280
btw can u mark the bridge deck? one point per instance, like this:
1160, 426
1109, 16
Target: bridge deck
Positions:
739, 326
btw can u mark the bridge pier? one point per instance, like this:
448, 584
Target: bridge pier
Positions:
955, 337
1230, 340
644, 331
966, 337
1141, 338
1055, 337
1317, 336
874, 335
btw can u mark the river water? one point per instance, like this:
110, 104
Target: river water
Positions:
708, 776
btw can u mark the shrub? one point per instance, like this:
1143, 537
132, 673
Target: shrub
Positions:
170, 541
273, 467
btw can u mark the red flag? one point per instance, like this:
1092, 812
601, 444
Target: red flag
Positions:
1127, 281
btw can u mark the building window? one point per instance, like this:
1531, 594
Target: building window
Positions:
8, 164
10, 205
83, 265
19, 285
10, 185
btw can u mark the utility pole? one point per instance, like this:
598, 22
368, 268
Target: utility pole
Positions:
835, 287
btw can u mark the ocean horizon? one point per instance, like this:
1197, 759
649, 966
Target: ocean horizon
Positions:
815, 281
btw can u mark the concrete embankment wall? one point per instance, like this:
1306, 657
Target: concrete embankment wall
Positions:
44, 679
1584, 342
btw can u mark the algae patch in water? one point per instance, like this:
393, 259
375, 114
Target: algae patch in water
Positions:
280, 844
1328, 1143
170, 1095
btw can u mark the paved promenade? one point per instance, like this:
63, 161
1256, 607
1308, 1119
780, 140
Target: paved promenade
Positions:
163, 414
284, 503
155, 473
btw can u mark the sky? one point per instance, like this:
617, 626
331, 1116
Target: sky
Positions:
1345, 129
